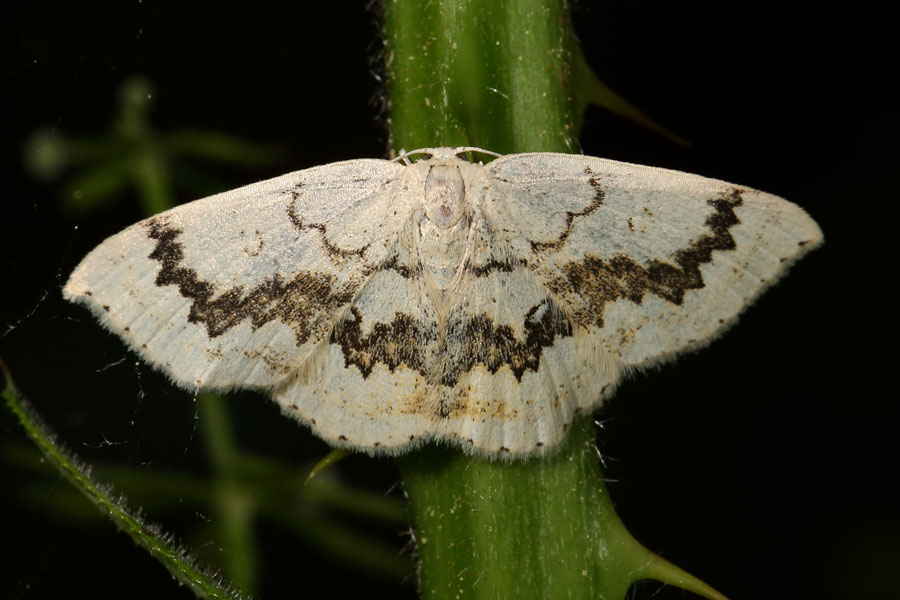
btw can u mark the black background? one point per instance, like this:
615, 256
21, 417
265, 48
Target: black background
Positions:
764, 464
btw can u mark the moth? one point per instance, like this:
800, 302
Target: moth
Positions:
388, 303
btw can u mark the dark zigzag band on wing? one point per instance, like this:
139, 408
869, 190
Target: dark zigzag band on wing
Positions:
600, 282
293, 301
400, 342
470, 341
481, 341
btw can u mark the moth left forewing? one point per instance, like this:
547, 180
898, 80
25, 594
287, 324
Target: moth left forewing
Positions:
236, 289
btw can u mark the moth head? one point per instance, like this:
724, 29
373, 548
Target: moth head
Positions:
442, 153
445, 195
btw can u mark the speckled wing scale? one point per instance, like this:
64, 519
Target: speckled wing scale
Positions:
385, 304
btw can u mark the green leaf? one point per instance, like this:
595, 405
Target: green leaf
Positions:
588, 89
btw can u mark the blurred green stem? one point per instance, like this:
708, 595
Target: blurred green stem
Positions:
234, 507
233, 503
180, 564
135, 154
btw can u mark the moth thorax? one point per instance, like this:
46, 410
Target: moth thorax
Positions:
445, 196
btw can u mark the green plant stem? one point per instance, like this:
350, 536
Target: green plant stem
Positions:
543, 528
181, 565
489, 74
497, 74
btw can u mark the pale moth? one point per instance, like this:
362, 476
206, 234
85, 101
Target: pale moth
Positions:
388, 303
